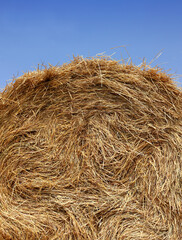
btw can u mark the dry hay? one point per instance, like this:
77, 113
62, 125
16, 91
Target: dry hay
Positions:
91, 150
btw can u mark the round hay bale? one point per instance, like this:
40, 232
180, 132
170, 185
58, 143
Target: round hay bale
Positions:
91, 150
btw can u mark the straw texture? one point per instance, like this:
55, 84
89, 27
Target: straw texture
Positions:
91, 150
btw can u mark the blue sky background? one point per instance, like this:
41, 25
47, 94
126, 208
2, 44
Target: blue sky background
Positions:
52, 31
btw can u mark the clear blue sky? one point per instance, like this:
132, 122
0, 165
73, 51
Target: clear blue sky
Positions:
52, 31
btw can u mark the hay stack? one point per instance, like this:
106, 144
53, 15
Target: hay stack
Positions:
91, 150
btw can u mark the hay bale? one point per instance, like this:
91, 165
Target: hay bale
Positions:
91, 150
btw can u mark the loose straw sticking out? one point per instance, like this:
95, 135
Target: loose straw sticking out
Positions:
91, 150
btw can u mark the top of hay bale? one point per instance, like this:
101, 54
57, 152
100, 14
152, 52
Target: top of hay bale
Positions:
91, 150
